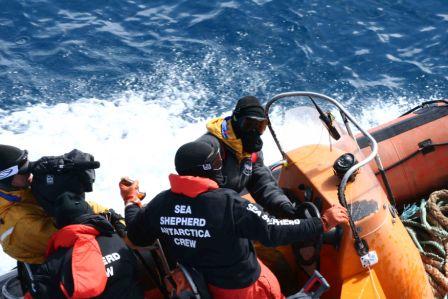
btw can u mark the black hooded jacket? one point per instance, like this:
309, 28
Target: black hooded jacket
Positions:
252, 175
118, 259
211, 229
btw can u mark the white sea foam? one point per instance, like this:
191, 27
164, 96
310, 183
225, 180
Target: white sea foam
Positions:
131, 136
362, 52
427, 28
443, 16
385, 80
424, 67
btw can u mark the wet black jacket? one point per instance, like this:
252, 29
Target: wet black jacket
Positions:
255, 177
211, 231
118, 259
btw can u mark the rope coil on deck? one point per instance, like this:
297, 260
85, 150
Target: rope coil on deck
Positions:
427, 225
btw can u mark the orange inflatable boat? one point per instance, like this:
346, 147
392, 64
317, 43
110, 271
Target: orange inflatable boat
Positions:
414, 151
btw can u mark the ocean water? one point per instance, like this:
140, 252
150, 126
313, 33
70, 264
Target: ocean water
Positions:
130, 81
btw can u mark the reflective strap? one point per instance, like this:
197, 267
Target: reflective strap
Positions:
8, 172
6, 234
10, 197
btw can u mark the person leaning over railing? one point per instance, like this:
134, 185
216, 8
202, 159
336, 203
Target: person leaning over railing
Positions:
210, 228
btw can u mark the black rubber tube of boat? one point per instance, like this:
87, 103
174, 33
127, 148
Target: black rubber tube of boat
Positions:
361, 245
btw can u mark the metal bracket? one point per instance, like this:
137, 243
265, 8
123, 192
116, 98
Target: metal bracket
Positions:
426, 146
393, 211
369, 259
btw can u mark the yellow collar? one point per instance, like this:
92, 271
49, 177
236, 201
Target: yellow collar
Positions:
222, 129
10, 198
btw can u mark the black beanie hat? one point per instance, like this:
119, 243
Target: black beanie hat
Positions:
190, 157
10, 156
248, 106
69, 207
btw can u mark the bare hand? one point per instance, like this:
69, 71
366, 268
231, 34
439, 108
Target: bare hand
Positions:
333, 216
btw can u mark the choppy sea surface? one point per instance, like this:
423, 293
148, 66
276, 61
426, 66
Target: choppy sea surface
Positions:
130, 81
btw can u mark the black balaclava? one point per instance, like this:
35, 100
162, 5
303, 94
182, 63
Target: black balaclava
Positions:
196, 159
10, 156
69, 208
252, 142
248, 106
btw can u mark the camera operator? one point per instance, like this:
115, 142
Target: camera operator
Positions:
26, 202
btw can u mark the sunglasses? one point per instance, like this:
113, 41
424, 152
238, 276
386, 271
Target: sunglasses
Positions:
23, 163
249, 124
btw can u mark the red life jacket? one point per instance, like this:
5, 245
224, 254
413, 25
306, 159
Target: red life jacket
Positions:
89, 273
191, 186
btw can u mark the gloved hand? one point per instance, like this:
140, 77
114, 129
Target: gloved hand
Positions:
116, 220
129, 193
287, 210
333, 216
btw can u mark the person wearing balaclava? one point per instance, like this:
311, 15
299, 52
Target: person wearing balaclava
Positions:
238, 137
210, 228
85, 257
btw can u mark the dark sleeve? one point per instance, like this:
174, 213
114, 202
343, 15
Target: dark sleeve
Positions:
45, 286
141, 230
266, 192
253, 223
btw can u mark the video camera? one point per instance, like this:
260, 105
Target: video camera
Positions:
53, 175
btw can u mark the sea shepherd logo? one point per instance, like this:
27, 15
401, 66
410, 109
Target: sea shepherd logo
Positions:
110, 259
247, 168
184, 229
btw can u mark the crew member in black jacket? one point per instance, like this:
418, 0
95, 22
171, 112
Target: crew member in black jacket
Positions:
86, 258
239, 139
210, 228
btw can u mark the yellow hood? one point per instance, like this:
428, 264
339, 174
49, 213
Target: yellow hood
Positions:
222, 129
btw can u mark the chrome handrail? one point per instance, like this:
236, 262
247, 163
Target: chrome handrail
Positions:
361, 245
373, 143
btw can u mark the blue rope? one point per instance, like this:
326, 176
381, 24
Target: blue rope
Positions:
409, 212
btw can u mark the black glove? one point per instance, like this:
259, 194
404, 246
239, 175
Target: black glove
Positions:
287, 210
116, 220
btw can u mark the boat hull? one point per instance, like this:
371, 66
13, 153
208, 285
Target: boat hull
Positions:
424, 168
399, 265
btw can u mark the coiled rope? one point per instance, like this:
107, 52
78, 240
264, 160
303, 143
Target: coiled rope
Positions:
427, 225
